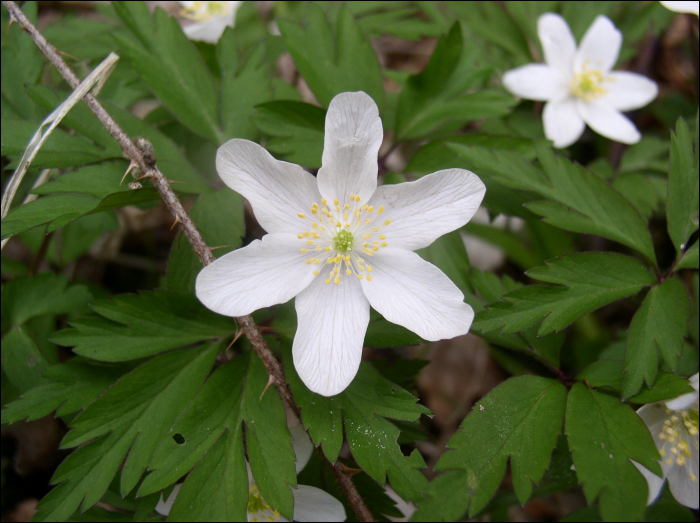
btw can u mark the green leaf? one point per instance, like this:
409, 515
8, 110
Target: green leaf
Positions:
658, 327
22, 360
60, 150
209, 437
171, 161
242, 89
437, 95
604, 435
520, 419
131, 326
449, 255
690, 259
667, 386
27, 297
334, 63
131, 417
682, 197
86, 191
373, 440
383, 333
588, 281
296, 130
220, 217
578, 200
70, 386
171, 66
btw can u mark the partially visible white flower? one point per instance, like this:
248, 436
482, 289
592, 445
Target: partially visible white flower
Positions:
339, 244
683, 7
211, 19
310, 503
578, 84
674, 427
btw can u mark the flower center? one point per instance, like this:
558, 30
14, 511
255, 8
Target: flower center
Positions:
258, 509
203, 11
588, 84
340, 235
680, 438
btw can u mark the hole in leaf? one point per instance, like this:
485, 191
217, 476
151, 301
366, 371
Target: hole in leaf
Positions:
179, 439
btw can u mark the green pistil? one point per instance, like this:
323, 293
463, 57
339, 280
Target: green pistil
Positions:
343, 241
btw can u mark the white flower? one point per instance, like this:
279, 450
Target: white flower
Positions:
674, 426
683, 7
339, 244
211, 17
310, 503
578, 84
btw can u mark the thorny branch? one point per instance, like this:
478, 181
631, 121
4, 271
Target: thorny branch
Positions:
148, 168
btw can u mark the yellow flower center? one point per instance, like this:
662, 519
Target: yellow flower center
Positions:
203, 11
679, 437
258, 509
340, 235
588, 83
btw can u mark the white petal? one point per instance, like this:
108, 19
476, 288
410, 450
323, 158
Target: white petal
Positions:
165, 506
558, 43
683, 489
535, 82
415, 294
654, 482
599, 46
353, 136
682, 402
608, 122
682, 6
422, 211
628, 91
276, 190
327, 346
211, 30
314, 504
562, 122
261, 274
695, 381
302, 445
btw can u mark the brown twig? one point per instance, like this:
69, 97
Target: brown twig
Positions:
147, 165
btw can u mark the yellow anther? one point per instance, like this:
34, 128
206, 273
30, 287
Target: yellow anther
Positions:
303, 250
300, 235
346, 206
314, 205
327, 282
366, 236
364, 207
369, 268
306, 235
337, 280
308, 262
328, 248
384, 244
380, 210
347, 258
662, 452
335, 201
375, 248
375, 229
316, 273
360, 276
693, 477
382, 237
314, 225
348, 272
314, 211
309, 242
371, 208
387, 222
301, 215
324, 202
369, 278
345, 216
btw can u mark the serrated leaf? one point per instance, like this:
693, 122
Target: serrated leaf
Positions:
658, 328
520, 419
667, 386
591, 281
27, 297
373, 440
131, 417
296, 130
220, 217
242, 89
578, 199
71, 386
22, 361
335, 63
171, 66
682, 197
438, 94
604, 434
691, 258
383, 333
86, 191
171, 161
209, 437
131, 326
